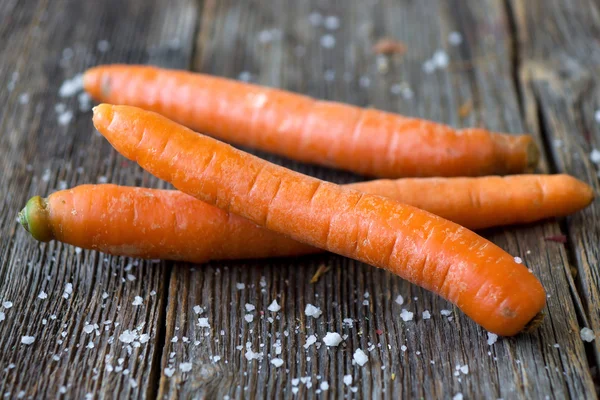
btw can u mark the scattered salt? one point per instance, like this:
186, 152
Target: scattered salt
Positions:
198, 309
440, 58
88, 328
428, 66
491, 338
360, 357
406, 315
587, 335
365, 302
185, 367
364, 81
595, 156
71, 86
597, 116
249, 317
312, 339
104, 296
85, 102
27, 340
245, 76
518, 260
445, 313
403, 348
332, 339
455, 38
324, 386
312, 311
556, 345
315, 19
332, 22
131, 277
250, 307
426, 314
327, 41
90, 345
7, 304
43, 295
458, 396
216, 358
349, 322
128, 336
103, 46
464, 369
203, 323
347, 380
400, 299
62, 389
137, 301
277, 362
24, 98
274, 307
240, 286
175, 339
169, 372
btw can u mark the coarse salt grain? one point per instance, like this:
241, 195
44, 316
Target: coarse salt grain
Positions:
88, 328
169, 372
240, 286
249, 317
312, 311
327, 41
27, 340
249, 307
445, 313
455, 38
203, 323
198, 309
324, 386
128, 336
491, 338
7, 304
274, 307
43, 295
277, 362
597, 116
332, 22
403, 348
464, 369
175, 339
426, 314
458, 396
349, 322
595, 156
587, 335
400, 300
440, 58
137, 301
518, 260
71, 86
312, 339
144, 337
90, 345
406, 315
315, 19
347, 380
360, 357
332, 339
185, 367
2, 316
103, 46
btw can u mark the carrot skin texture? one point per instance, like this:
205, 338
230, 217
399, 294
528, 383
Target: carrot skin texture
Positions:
365, 141
480, 278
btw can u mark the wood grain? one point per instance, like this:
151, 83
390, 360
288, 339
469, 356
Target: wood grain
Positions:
275, 44
42, 44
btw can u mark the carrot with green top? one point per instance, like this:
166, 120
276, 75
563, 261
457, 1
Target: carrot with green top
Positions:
365, 141
176, 226
483, 280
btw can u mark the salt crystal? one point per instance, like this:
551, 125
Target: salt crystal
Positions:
240, 286
88, 328
455, 38
597, 116
332, 339
7, 304
185, 367
250, 307
556, 143
249, 317
265, 36
383, 65
396, 88
445, 313
62, 389
347, 380
103, 46
203, 323
263, 282
65, 118
24, 98
274, 307
491, 338
324, 386
365, 302
144, 338
587, 335
595, 156
400, 299
360, 357
429, 66
169, 372
131, 277
464, 369
56, 358
277, 362
518, 260
128, 336
312, 311
348, 322
71, 86
327, 41
329, 75
295, 390
153, 293
137, 301
198, 309
315, 19
90, 345
27, 339
364, 81
216, 358
403, 348
426, 314
312, 339
44, 321
458, 396
556, 345
104, 296
332, 23
85, 102
175, 339
440, 59
245, 76
406, 315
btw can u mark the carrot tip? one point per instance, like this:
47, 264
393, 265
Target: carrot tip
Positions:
34, 218
534, 323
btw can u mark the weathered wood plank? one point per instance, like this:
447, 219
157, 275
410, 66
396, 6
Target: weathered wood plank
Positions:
560, 58
42, 43
274, 43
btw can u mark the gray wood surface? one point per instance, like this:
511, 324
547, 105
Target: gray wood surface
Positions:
516, 73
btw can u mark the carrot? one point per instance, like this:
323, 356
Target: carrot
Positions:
480, 278
104, 217
366, 141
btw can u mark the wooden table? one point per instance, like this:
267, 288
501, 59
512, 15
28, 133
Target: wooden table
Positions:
522, 65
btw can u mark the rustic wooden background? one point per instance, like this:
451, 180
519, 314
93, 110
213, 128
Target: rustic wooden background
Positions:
523, 65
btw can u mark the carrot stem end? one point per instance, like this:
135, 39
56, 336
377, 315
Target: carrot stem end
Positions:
34, 218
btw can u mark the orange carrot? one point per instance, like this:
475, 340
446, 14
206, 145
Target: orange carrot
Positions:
480, 278
365, 141
105, 217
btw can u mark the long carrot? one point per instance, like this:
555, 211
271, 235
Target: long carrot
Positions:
107, 217
365, 141
480, 278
